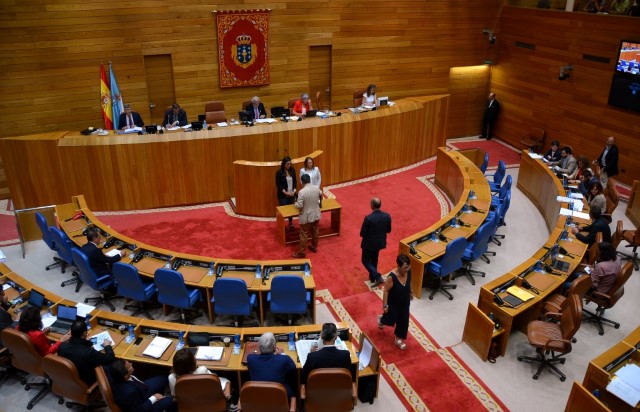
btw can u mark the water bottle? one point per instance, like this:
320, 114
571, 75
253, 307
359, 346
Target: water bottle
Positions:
307, 270
568, 221
49, 308
236, 344
292, 341
131, 336
538, 266
210, 271
258, 272
87, 320
433, 237
204, 125
596, 393
180, 344
563, 235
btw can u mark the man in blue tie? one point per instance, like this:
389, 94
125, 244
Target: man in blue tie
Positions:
256, 108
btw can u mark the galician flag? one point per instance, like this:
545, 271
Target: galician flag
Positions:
116, 99
105, 99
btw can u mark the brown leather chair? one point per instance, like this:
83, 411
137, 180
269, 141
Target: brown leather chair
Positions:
557, 302
201, 393
105, 389
245, 104
592, 255
292, 102
633, 238
613, 199
214, 112
534, 139
66, 382
616, 237
608, 300
554, 338
329, 389
357, 97
265, 397
319, 100
25, 357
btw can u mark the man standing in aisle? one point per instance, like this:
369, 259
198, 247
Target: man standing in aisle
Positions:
374, 231
309, 202
608, 161
492, 108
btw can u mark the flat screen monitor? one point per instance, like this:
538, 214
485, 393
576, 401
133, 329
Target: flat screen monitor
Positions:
382, 101
625, 85
151, 129
196, 125
245, 116
36, 298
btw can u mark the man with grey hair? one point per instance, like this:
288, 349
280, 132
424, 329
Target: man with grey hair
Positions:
271, 365
327, 357
129, 119
608, 161
256, 108
302, 106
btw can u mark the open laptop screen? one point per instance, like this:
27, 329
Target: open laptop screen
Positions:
67, 312
36, 298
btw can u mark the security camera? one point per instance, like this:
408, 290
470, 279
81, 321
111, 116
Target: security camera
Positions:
565, 72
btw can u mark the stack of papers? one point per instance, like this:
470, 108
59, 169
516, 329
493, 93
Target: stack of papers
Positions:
567, 212
48, 320
113, 252
211, 353
84, 309
157, 347
626, 384
265, 120
132, 130
223, 124
98, 339
536, 156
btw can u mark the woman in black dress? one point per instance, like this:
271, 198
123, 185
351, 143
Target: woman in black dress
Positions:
396, 299
286, 184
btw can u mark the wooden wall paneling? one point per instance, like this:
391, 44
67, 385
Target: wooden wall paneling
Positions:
160, 85
320, 74
468, 87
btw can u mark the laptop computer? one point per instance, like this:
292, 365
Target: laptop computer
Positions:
245, 116
560, 265
66, 316
311, 113
35, 299
278, 111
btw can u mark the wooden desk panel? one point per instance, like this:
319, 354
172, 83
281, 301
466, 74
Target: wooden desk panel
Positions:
125, 172
284, 212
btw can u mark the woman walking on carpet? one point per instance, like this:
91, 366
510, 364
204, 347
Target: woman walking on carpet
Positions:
396, 298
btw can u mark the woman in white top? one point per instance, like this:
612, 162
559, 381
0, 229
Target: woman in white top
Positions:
311, 170
184, 363
368, 98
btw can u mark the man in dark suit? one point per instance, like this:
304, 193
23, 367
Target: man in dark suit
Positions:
133, 395
271, 365
257, 108
100, 262
598, 224
175, 116
5, 317
373, 232
491, 110
327, 357
129, 118
79, 350
608, 161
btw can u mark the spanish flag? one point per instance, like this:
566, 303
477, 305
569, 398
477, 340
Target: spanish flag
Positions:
105, 99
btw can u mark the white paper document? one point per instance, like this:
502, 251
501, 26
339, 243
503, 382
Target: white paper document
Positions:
535, 156
265, 120
48, 320
576, 195
2, 256
303, 347
132, 130
365, 354
174, 128
624, 390
6, 286
99, 338
113, 252
567, 212
84, 309
631, 374
157, 347
222, 124
213, 353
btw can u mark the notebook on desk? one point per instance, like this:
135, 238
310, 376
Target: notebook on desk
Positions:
66, 316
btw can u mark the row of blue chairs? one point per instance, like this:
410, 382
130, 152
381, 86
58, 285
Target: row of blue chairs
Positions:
288, 295
460, 253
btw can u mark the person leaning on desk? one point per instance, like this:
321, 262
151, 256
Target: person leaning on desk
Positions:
129, 119
100, 262
327, 357
175, 116
598, 224
369, 97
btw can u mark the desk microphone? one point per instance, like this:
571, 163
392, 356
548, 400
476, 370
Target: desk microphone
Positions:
565, 252
77, 216
475, 209
414, 252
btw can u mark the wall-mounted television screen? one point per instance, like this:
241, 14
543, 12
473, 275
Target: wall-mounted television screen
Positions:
625, 86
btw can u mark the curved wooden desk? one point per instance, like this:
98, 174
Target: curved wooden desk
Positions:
542, 187
457, 176
254, 182
194, 269
125, 172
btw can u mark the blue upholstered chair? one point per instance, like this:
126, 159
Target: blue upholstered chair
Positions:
485, 163
231, 297
498, 198
501, 213
475, 250
131, 286
446, 265
101, 283
63, 246
498, 176
288, 296
173, 292
46, 236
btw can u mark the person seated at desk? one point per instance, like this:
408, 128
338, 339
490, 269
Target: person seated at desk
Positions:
327, 357
257, 108
583, 164
31, 324
604, 272
5, 316
133, 395
175, 117
100, 262
596, 197
79, 350
586, 180
567, 164
302, 106
129, 119
184, 363
369, 97
598, 224
553, 155
271, 365
621, 7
